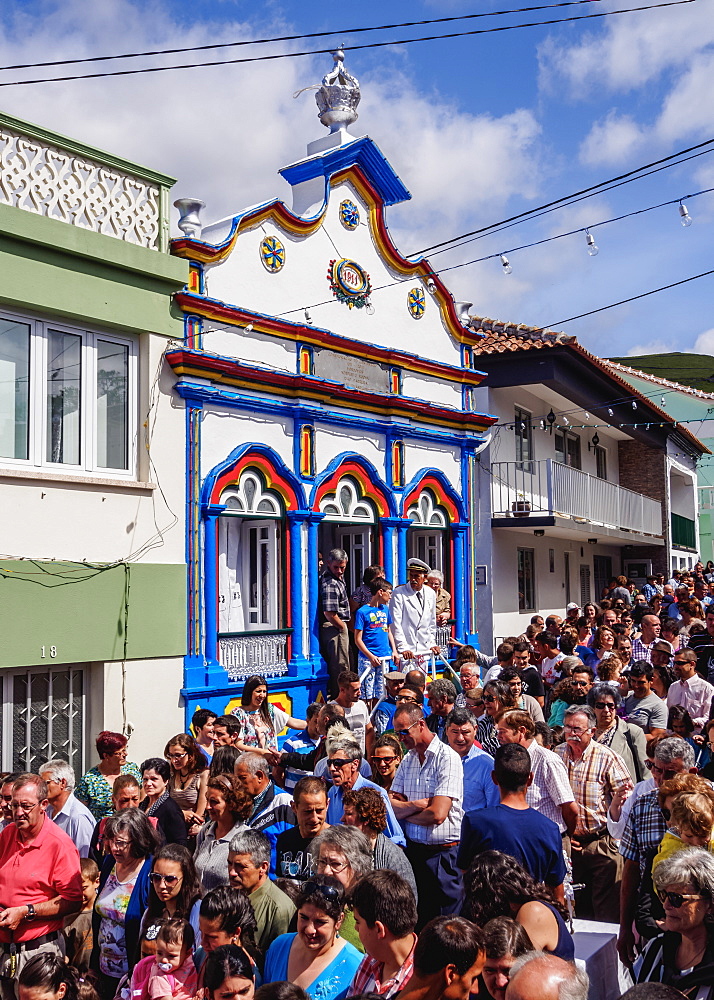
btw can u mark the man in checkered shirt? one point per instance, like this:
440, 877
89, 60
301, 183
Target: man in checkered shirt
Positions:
427, 795
334, 615
642, 646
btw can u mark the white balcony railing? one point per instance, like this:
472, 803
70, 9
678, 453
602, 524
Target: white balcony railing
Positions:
706, 497
244, 655
548, 487
51, 175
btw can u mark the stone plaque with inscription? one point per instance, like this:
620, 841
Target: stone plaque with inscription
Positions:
355, 373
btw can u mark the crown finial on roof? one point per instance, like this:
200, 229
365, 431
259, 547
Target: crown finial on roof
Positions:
339, 95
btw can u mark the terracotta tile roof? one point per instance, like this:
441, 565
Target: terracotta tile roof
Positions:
505, 338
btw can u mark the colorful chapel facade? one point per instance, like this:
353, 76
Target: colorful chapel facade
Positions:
328, 385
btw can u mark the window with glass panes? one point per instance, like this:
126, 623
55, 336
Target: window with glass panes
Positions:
567, 448
526, 580
67, 397
523, 430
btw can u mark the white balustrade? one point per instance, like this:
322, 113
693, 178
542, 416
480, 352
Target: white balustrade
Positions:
548, 487
61, 183
245, 655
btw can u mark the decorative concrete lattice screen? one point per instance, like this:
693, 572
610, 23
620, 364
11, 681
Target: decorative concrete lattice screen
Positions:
62, 184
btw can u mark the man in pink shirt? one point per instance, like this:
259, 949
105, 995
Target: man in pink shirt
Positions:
40, 882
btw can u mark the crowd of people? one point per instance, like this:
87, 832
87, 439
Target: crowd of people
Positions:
422, 838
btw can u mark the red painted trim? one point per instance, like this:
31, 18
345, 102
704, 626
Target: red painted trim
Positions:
198, 304
230, 476
369, 489
232, 370
430, 482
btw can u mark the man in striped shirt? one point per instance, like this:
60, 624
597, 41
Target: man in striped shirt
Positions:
642, 646
595, 772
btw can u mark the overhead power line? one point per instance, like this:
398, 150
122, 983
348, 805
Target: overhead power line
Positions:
593, 189
353, 48
622, 302
294, 38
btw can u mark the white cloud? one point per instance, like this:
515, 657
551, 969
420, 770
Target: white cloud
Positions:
225, 131
704, 344
632, 50
650, 347
611, 140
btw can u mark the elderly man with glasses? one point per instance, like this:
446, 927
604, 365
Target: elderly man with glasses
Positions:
343, 768
427, 795
644, 830
595, 772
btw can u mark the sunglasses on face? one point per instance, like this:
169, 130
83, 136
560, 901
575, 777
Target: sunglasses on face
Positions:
383, 760
326, 891
488, 699
667, 773
169, 880
602, 705
579, 684
405, 732
676, 899
340, 762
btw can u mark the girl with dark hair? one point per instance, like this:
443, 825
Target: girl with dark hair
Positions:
122, 897
229, 973
662, 680
497, 697
496, 886
226, 916
320, 961
260, 721
47, 975
95, 787
189, 774
155, 774
386, 758
224, 759
175, 892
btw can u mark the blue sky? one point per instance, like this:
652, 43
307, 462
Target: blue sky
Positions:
478, 128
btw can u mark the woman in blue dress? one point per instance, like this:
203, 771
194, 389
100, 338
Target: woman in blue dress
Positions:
316, 958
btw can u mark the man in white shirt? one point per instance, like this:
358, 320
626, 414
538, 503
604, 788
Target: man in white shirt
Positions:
68, 812
690, 690
413, 610
356, 711
427, 796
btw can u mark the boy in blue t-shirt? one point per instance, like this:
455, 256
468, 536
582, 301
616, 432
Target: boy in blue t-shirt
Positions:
374, 640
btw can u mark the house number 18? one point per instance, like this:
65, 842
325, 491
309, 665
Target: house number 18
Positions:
52, 649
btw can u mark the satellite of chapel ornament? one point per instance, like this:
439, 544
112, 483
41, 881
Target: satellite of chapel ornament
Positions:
349, 214
349, 282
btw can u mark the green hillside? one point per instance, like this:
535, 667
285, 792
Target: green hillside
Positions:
695, 370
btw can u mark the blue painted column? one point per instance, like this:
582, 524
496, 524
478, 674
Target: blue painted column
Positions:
210, 592
403, 525
459, 530
299, 600
388, 526
310, 571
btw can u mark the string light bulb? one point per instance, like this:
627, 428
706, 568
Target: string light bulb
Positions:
592, 248
506, 264
308, 317
685, 217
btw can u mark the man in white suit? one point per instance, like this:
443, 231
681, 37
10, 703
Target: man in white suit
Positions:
413, 610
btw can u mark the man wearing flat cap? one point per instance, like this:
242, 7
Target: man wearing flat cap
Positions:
413, 610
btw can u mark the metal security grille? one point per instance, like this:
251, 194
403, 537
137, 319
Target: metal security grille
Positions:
43, 716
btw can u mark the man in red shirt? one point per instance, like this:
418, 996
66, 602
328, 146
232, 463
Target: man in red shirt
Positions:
40, 882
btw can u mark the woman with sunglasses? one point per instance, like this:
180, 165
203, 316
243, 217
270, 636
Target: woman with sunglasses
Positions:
386, 758
174, 892
189, 774
682, 955
497, 697
316, 958
155, 774
602, 646
624, 738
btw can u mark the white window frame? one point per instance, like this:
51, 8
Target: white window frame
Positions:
354, 539
37, 407
270, 545
427, 545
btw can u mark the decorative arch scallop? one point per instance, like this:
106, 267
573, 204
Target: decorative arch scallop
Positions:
361, 472
433, 490
224, 480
